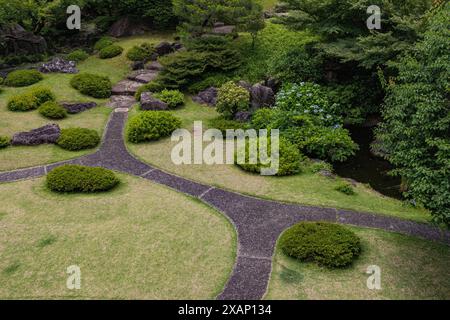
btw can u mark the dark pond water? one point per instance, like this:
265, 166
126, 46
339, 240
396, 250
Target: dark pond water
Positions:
364, 167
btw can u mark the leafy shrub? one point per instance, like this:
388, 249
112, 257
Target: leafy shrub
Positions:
23, 102
345, 188
75, 178
153, 86
231, 99
320, 166
4, 142
151, 125
1, 81
110, 51
289, 158
52, 110
103, 43
222, 124
78, 55
210, 81
327, 244
142, 52
23, 78
42, 95
173, 98
75, 139
92, 85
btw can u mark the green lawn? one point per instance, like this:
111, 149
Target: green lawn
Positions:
411, 268
305, 188
140, 241
12, 122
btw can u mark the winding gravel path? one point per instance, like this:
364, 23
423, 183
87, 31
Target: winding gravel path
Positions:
258, 222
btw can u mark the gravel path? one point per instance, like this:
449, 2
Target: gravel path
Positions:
258, 222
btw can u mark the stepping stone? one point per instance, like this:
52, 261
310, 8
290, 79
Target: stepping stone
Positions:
121, 102
126, 88
143, 76
155, 65
121, 110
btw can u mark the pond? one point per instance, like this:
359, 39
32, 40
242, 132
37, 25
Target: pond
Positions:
364, 167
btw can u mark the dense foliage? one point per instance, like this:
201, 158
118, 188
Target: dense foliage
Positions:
110, 52
22, 102
75, 139
92, 85
23, 78
42, 95
142, 52
78, 55
52, 110
75, 178
173, 98
416, 131
151, 125
327, 244
231, 99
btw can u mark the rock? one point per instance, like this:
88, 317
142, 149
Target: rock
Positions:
155, 65
218, 24
118, 102
143, 76
223, 30
261, 97
15, 40
245, 85
78, 107
59, 65
154, 56
137, 65
177, 46
148, 102
164, 48
327, 174
272, 83
208, 97
354, 183
126, 88
127, 26
46, 134
243, 116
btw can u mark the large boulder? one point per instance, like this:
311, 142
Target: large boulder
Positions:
222, 30
59, 65
243, 116
78, 107
208, 97
155, 66
148, 102
46, 134
15, 40
127, 26
261, 97
164, 48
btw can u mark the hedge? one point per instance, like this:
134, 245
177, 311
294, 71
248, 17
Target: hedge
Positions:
23, 78
75, 139
52, 110
92, 85
326, 244
75, 178
151, 125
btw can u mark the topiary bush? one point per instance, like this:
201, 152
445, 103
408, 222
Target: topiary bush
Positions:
75, 178
22, 102
4, 142
52, 110
141, 52
92, 85
42, 95
110, 52
174, 98
345, 188
232, 98
151, 125
23, 78
103, 43
78, 55
289, 158
327, 244
75, 139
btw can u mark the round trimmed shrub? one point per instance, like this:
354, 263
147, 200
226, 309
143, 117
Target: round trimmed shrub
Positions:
151, 125
22, 102
92, 85
103, 43
327, 244
78, 55
4, 142
174, 98
290, 159
232, 98
75, 139
142, 52
52, 110
42, 95
110, 52
75, 178
23, 78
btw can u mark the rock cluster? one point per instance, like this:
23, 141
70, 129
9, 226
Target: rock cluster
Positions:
59, 65
208, 97
46, 134
78, 107
148, 102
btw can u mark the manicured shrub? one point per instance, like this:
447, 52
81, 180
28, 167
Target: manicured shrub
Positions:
154, 86
78, 55
75, 178
232, 98
23, 78
92, 85
52, 110
327, 244
141, 52
4, 142
151, 125
75, 139
22, 102
289, 159
174, 98
222, 124
42, 95
103, 43
110, 52
345, 188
